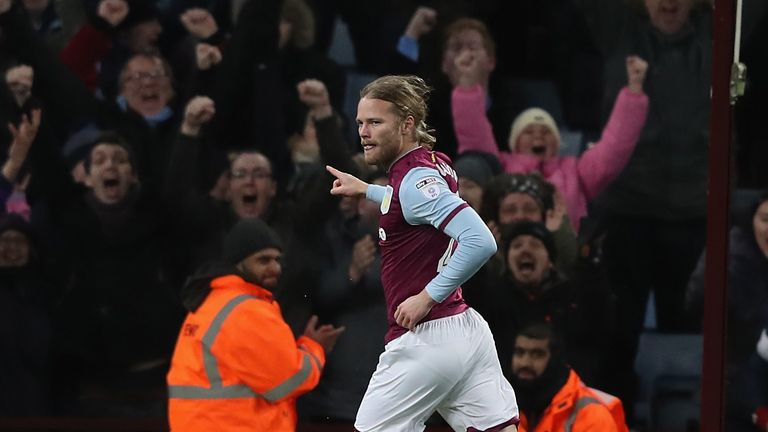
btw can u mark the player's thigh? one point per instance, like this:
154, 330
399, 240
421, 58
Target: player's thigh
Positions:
484, 398
410, 382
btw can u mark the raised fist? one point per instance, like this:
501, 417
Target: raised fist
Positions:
636, 70
314, 95
422, 22
113, 11
199, 111
199, 22
556, 214
23, 135
19, 80
207, 55
470, 67
467, 68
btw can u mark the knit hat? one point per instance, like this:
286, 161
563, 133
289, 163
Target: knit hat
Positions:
535, 229
529, 185
247, 237
529, 117
79, 144
113, 138
477, 166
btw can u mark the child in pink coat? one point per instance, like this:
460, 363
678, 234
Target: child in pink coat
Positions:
534, 141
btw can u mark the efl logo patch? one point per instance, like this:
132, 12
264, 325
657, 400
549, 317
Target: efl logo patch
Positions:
382, 234
429, 186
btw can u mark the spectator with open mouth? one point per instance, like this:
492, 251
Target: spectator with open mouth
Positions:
534, 141
532, 289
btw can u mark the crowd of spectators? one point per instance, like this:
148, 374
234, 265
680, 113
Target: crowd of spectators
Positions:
141, 131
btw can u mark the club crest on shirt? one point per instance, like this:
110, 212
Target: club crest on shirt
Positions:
382, 234
387, 200
429, 186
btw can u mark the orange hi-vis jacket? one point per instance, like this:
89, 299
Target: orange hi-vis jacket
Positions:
578, 408
237, 366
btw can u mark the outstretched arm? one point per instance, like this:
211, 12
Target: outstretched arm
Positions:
468, 105
603, 162
349, 185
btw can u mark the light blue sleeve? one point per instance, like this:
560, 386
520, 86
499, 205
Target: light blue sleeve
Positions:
425, 197
376, 193
422, 205
409, 48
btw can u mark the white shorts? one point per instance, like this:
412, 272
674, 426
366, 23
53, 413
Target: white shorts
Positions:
448, 365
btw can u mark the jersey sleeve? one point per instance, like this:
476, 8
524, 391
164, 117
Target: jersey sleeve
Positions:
426, 198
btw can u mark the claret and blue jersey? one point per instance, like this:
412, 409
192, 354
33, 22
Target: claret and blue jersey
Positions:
417, 206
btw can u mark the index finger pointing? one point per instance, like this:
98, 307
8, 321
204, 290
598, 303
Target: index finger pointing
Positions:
336, 173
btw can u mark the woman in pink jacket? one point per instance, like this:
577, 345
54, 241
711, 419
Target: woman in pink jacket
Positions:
534, 141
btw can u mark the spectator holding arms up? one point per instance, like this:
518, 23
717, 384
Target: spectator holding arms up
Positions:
534, 140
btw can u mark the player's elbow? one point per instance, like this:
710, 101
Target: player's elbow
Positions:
488, 247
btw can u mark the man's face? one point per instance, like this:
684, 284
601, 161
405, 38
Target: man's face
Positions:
530, 358
528, 260
467, 40
111, 175
517, 207
144, 35
471, 192
251, 186
14, 249
760, 224
263, 267
537, 140
669, 16
146, 86
381, 132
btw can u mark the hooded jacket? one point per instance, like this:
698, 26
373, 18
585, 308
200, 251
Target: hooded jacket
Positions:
237, 366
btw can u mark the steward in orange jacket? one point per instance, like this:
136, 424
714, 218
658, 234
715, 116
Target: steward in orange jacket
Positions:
237, 366
551, 395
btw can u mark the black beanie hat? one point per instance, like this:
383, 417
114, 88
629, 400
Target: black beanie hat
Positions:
247, 237
535, 229
477, 166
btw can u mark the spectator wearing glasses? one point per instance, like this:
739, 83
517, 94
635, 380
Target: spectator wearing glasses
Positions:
143, 113
116, 30
246, 188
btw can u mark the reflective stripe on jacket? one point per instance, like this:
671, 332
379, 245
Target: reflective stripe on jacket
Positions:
237, 366
578, 408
